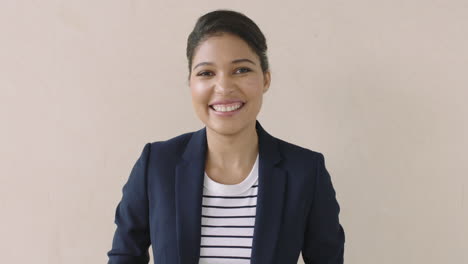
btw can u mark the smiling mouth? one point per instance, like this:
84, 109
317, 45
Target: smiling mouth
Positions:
227, 107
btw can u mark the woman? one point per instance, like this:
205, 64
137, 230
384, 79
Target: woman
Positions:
230, 192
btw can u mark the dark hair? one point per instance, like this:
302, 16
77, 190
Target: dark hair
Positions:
227, 21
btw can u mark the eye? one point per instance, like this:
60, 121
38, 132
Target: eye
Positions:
243, 70
204, 73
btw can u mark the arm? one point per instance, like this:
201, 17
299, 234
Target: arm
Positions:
324, 237
132, 239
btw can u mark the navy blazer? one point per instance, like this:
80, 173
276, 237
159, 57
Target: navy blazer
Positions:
297, 208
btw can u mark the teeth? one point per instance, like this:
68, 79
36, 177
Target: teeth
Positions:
221, 108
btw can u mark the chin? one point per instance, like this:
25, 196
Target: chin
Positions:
226, 128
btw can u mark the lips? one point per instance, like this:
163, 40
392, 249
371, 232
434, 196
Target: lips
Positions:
227, 107
228, 102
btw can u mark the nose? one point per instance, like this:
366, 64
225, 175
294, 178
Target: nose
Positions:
224, 84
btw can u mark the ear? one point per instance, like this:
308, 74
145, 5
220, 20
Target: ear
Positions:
266, 80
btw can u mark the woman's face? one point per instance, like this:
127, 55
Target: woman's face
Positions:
227, 84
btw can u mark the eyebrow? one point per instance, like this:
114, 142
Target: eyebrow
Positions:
234, 61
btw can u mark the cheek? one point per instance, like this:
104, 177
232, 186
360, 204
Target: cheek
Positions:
200, 92
253, 85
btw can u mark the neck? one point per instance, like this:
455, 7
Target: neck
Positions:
233, 150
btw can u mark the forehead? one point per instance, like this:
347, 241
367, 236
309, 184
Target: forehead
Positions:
223, 48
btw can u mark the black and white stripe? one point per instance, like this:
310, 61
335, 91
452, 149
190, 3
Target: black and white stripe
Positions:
227, 224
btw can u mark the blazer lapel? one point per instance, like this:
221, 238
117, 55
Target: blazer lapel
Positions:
189, 190
270, 199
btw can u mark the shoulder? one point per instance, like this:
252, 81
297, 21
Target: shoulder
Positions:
174, 146
300, 159
304, 164
292, 150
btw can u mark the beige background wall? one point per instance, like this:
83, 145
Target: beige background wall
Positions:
379, 87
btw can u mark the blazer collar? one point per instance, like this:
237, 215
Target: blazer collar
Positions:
189, 190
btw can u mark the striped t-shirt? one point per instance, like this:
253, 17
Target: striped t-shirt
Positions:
228, 219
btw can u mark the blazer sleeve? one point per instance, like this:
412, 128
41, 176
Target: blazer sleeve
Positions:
131, 238
324, 237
